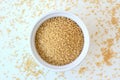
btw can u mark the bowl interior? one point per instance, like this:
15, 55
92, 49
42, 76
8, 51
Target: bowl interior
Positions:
85, 46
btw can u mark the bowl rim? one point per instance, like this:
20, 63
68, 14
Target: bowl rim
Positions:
83, 53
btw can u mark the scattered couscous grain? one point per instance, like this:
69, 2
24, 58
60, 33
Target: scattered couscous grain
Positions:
59, 40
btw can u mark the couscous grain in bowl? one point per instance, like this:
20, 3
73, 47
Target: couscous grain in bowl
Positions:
59, 42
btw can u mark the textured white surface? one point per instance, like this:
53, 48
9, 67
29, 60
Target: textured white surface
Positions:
18, 17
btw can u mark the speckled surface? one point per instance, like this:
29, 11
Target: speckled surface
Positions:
18, 17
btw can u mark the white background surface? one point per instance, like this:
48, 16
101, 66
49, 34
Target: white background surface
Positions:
18, 17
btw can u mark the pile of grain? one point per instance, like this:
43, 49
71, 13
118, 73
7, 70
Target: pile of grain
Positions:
59, 40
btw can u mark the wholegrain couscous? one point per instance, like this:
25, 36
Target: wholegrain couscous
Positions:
59, 40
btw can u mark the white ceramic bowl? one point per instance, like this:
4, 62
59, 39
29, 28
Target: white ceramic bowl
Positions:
83, 52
